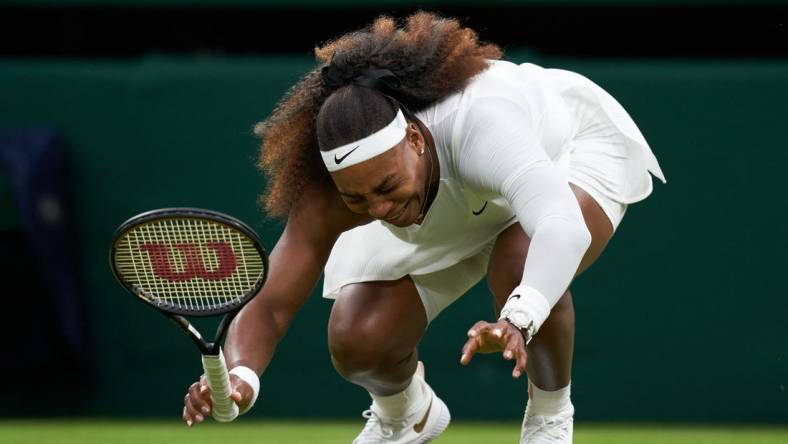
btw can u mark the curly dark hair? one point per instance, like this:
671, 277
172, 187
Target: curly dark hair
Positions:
431, 56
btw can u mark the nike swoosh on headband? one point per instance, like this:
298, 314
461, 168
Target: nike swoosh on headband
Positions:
339, 160
367, 147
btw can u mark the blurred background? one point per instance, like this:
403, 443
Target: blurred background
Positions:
112, 107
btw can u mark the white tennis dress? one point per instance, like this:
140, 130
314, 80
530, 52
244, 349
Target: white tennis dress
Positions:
508, 145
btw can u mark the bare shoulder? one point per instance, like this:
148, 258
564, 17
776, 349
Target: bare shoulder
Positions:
321, 215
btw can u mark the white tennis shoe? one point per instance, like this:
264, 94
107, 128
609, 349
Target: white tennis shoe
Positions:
548, 429
420, 427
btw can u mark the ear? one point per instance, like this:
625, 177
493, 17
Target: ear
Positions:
415, 138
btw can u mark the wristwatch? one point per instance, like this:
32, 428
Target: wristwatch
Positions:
527, 331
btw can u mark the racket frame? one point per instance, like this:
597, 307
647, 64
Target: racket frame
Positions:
176, 314
214, 365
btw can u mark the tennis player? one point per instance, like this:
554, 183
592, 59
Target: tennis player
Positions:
409, 164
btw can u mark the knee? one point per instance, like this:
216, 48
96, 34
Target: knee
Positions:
355, 345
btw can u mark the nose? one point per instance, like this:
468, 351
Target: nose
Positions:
380, 208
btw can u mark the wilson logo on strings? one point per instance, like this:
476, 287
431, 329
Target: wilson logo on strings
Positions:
193, 263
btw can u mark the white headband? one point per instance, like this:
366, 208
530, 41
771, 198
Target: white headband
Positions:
368, 147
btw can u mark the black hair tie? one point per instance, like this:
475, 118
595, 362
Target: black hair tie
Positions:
382, 80
387, 83
335, 77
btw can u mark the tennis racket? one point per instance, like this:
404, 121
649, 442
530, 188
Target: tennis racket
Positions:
193, 262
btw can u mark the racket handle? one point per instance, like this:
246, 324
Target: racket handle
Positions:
224, 409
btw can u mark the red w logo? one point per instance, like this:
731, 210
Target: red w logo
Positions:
193, 263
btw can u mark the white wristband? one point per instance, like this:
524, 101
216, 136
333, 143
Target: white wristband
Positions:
527, 309
248, 376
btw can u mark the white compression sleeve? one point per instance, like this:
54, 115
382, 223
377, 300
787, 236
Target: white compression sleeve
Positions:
499, 150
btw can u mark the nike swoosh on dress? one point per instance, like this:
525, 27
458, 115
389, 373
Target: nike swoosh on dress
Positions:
476, 213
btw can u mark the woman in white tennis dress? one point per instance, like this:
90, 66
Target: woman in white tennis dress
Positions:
410, 164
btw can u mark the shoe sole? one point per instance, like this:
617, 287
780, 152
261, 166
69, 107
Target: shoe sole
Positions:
444, 418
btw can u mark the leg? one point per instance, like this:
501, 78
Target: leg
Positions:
550, 352
373, 332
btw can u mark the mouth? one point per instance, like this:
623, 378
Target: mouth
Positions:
398, 215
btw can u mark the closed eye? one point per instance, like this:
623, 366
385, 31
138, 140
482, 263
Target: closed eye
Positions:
352, 199
388, 186
387, 190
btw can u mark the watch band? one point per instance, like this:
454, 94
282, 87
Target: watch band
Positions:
527, 331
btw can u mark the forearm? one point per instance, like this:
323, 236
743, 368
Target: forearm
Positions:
252, 340
295, 265
554, 254
258, 328
549, 213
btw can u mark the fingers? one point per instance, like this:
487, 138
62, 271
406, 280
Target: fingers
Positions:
475, 341
515, 349
510, 351
468, 350
191, 416
501, 336
236, 396
478, 328
242, 392
512, 343
519, 367
196, 404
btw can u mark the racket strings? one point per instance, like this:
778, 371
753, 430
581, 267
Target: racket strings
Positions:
190, 263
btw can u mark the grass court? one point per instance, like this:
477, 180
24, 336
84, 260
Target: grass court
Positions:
311, 432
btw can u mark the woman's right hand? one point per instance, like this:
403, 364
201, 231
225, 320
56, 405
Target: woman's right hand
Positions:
197, 402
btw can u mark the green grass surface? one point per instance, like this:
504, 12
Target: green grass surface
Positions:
265, 432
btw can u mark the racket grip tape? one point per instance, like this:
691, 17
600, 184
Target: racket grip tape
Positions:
224, 408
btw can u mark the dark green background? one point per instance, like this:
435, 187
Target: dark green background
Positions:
683, 318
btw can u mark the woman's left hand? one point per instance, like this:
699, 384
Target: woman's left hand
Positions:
501, 336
